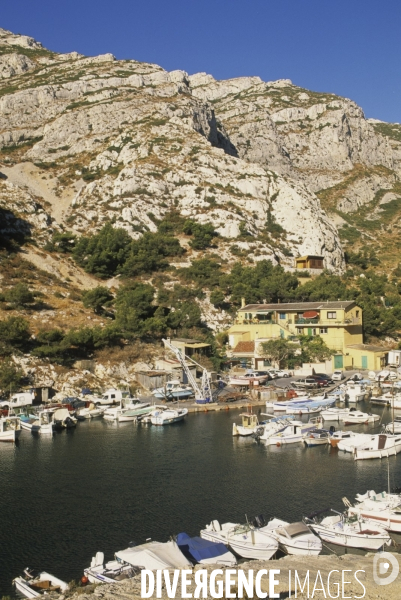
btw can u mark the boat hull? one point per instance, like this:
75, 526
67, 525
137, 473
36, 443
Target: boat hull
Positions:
352, 540
254, 551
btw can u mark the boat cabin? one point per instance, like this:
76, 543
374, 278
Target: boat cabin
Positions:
249, 420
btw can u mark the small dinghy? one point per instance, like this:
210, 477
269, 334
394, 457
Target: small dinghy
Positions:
205, 552
393, 426
294, 538
32, 587
357, 417
351, 532
244, 540
111, 572
316, 437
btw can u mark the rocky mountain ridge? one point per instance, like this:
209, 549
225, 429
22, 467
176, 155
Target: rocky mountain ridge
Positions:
92, 139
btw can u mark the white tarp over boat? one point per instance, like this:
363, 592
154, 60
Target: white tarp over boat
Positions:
154, 555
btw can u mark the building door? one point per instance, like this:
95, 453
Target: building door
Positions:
364, 362
338, 361
309, 331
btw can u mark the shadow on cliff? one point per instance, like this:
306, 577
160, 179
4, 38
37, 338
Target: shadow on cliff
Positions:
14, 231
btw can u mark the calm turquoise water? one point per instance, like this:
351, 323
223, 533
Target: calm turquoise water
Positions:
104, 485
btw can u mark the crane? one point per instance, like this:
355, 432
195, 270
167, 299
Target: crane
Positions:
203, 392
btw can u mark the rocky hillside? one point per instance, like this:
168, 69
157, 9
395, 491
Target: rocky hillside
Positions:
86, 140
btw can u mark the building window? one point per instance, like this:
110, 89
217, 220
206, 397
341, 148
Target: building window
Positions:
299, 330
313, 331
332, 315
357, 314
282, 316
323, 330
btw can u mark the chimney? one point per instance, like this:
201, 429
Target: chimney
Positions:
278, 301
243, 303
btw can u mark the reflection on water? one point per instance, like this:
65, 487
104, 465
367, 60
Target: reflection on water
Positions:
103, 485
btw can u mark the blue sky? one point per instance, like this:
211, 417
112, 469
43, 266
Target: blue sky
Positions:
347, 47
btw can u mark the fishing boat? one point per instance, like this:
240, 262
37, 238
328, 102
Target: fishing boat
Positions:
205, 552
357, 417
154, 555
168, 416
41, 423
354, 392
32, 587
10, 428
379, 446
350, 532
173, 390
316, 437
249, 424
383, 509
293, 538
113, 571
244, 540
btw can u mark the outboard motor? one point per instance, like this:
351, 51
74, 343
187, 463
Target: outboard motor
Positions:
259, 521
332, 429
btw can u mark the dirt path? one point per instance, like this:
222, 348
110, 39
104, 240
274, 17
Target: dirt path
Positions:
40, 183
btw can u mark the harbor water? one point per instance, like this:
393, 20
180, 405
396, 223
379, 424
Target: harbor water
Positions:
103, 486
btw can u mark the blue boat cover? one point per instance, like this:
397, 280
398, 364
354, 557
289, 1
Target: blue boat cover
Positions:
199, 548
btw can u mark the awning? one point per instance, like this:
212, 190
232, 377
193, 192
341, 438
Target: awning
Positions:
310, 314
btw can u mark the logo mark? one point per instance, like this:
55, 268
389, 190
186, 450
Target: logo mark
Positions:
387, 560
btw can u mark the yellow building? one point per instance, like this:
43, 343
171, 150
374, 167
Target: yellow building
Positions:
338, 323
309, 262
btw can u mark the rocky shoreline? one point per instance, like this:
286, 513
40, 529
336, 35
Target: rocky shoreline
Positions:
320, 584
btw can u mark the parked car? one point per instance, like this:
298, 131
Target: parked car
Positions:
321, 382
338, 376
325, 376
306, 382
283, 373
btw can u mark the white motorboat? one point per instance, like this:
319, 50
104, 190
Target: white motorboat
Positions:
205, 552
380, 446
316, 437
168, 416
32, 587
173, 390
358, 417
383, 509
349, 443
382, 375
249, 424
41, 423
244, 540
62, 419
294, 538
91, 412
303, 408
272, 426
350, 532
154, 555
113, 571
354, 392
10, 428
336, 414
294, 432
118, 413
136, 408
350, 438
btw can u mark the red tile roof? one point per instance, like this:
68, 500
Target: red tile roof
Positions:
244, 347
